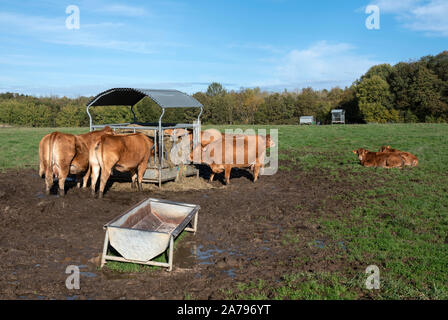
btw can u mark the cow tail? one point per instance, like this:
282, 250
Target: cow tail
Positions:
52, 156
97, 154
101, 157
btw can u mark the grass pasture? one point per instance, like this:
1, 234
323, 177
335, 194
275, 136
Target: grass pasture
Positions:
394, 219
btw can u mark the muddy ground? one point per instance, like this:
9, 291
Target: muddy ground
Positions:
244, 234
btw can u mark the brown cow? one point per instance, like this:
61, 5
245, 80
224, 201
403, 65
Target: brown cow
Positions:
379, 159
234, 151
44, 146
124, 153
61, 154
410, 160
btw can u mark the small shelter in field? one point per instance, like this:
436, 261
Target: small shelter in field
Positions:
306, 120
159, 171
337, 116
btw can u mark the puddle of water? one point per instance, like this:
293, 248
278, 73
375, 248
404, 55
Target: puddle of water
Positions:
205, 256
341, 245
40, 195
319, 244
88, 274
189, 254
71, 297
230, 273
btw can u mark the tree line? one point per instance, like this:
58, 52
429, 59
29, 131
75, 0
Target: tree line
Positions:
413, 91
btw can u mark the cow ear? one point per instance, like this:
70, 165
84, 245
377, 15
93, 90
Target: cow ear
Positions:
354, 151
388, 147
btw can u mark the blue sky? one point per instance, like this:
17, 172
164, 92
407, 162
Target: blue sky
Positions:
185, 45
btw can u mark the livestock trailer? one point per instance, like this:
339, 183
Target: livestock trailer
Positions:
337, 116
158, 170
306, 120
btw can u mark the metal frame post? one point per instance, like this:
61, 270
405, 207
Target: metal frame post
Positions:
195, 224
170, 253
161, 147
105, 246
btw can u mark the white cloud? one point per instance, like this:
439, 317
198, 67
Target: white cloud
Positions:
388, 6
432, 18
124, 10
429, 16
322, 65
96, 35
255, 46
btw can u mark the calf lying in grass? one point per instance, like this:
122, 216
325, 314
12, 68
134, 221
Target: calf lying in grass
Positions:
409, 159
379, 159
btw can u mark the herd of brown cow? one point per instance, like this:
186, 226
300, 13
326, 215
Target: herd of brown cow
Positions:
386, 157
86, 155
89, 154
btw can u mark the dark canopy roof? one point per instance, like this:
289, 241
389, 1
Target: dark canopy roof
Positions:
130, 96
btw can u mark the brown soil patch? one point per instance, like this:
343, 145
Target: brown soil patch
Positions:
246, 231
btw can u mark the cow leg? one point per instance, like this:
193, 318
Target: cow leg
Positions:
79, 180
227, 171
48, 180
105, 174
256, 171
212, 176
86, 178
141, 169
63, 173
134, 179
95, 172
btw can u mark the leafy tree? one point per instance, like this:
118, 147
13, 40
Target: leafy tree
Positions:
381, 70
375, 100
70, 116
215, 89
419, 90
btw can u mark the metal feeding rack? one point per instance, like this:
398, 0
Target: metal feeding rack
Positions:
156, 172
147, 230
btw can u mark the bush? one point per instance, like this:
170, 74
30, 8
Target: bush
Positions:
374, 112
25, 114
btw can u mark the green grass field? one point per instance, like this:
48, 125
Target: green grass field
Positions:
400, 224
20, 145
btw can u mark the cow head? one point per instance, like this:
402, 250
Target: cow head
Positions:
361, 152
108, 130
384, 149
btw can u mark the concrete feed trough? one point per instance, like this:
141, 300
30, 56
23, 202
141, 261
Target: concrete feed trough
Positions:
147, 230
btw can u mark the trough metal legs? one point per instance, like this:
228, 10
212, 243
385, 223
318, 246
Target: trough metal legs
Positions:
106, 244
195, 224
168, 265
